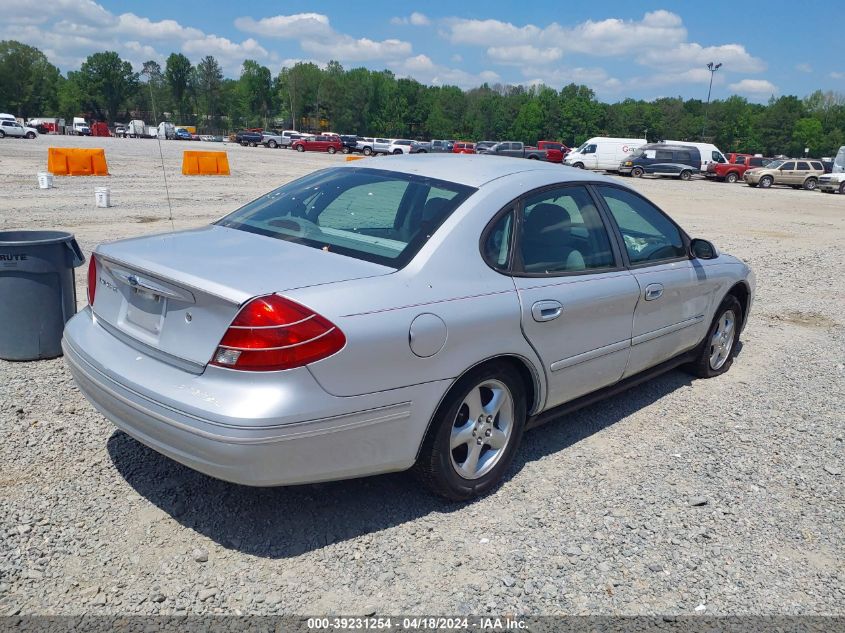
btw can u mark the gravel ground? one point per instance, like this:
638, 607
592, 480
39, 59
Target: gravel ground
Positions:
720, 496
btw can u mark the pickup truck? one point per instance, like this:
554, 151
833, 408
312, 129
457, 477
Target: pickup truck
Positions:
735, 168
271, 139
555, 151
249, 137
517, 149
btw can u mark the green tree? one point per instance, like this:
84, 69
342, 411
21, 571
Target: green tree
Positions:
808, 134
29, 83
256, 84
108, 83
177, 75
209, 78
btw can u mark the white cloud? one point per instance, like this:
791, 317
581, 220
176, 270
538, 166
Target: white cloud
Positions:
523, 53
603, 38
296, 26
804, 68
837, 75
316, 37
733, 57
415, 19
423, 69
754, 87
231, 55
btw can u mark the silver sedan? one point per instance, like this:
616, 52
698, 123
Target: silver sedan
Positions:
419, 313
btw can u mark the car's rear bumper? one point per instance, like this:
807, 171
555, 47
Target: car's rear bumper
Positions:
262, 430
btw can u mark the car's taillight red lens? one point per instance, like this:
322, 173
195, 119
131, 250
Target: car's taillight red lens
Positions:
92, 279
272, 333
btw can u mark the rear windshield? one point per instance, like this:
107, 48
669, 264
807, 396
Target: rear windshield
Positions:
379, 216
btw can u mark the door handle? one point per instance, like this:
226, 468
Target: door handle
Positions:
653, 291
546, 310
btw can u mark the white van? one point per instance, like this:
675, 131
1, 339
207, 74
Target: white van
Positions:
709, 152
166, 130
601, 152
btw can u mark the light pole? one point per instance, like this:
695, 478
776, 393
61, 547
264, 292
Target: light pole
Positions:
712, 68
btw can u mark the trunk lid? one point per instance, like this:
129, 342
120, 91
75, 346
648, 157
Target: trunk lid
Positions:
177, 293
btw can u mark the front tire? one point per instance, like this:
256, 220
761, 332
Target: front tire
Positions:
637, 172
718, 349
396, 152
331, 150
474, 434
300, 148
30, 135
842, 188
368, 151
732, 177
578, 165
686, 175
810, 184
2, 134
766, 182
346, 150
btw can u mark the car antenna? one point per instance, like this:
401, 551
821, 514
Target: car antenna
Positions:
160, 152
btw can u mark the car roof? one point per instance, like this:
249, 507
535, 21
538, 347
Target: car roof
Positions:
475, 170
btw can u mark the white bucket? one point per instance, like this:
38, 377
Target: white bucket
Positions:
45, 180
103, 197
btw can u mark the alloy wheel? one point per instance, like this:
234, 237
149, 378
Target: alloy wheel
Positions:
722, 341
482, 429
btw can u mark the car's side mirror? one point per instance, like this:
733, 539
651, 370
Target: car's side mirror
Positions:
702, 249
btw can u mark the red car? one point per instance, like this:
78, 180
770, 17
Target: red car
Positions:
736, 166
321, 143
462, 147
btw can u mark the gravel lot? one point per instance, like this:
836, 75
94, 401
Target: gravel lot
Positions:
721, 496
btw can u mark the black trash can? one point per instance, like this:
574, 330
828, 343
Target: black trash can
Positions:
37, 292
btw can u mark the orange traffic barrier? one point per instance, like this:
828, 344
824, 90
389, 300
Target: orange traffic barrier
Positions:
350, 157
72, 161
196, 163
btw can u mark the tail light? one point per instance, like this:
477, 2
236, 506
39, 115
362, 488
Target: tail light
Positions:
273, 333
92, 279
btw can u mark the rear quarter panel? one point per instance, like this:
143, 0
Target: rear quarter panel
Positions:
449, 279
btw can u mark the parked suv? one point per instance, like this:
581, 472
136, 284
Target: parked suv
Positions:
13, 128
320, 143
400, 146
735, 168
660, 159
795, 173
441, 145
462, 147
350, 143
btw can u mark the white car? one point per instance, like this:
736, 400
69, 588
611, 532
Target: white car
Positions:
400, 146
13, 128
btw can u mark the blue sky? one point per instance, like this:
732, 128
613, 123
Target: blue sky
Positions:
620, 49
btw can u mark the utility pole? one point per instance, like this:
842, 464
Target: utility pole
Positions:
712, 68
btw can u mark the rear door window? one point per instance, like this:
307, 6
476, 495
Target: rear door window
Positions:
664, 154
802, 166
562, 231
817, 166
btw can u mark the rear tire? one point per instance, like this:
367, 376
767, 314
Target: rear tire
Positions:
578, 165
732, 177
842, 188
810, 184
30, 135
686, 175
272, 145
367, 151
766, 182
396, 152
346, 150
637, 172
487, 405
718, 349
2, 134
300, 148
331, 150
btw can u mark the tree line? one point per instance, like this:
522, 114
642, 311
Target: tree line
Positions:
366, 102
